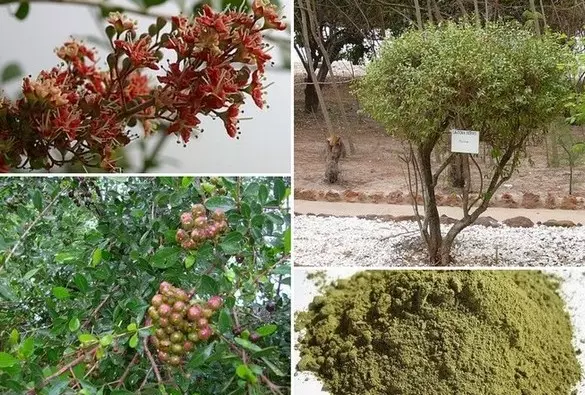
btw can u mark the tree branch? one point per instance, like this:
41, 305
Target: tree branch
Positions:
27, 230
152, 361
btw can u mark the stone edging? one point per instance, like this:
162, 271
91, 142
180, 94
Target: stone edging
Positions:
506, 200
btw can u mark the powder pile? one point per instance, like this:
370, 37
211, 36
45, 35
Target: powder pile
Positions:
441, 333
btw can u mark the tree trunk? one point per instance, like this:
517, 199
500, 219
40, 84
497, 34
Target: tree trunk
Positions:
571, 164
432, 219
456, 173
311, 98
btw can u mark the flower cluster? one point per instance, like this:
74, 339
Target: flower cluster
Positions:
77, 112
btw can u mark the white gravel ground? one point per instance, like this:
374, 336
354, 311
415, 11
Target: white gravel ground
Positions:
572, 290
350, 241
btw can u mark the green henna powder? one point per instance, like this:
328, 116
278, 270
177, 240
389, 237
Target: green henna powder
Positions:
440, 333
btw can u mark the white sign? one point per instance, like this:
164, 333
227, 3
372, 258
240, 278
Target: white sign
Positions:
465, 141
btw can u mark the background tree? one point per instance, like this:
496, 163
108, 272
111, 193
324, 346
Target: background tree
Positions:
352, 30
499, 80
80, 260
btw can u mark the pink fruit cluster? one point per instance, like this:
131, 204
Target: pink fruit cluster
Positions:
197, 226
179, 323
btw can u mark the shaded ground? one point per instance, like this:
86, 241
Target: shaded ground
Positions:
376, 166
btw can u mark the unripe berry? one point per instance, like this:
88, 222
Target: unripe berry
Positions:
187, 221
176, 319
152, 313
164, 286
198, 210
202, 322
157, 300
177, 337
163, 356
200, 221
181, 235
164, 345
204, 333
215, 302
160, 333
187, 346
177, 349
175, 360
207, 313
179, 306
193, 337
218, 215
194, 313
163, 322
164, 310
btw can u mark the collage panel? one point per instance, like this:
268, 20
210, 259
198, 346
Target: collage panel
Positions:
146, 86
145, 285
411, 332
441, 136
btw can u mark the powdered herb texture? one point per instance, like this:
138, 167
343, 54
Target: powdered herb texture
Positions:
440, 333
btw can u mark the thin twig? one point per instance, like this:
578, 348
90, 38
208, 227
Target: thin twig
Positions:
99, 307
152, 361
127, 371
59, 372
27, 230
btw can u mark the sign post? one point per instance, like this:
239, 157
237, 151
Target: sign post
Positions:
465, 141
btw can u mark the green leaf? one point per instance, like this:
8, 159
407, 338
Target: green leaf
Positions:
96, 257
224, 322
10, 72
189, 261
201, 355
87, 338
64, 257
287, 241
273, 367
263, 194
279, 189
31, 273
232, 243
165, 257
185, 181
282, 269
7, 360
267, 330
223, 203
133, 342
74, 324
13, 338
81, 282
6, 292
247, 344
106, 340
61, 293
208, 286
27, 347
22, 11
152, 3
132, 327
244, 372
37, 200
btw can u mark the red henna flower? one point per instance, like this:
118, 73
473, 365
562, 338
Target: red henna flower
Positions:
263, 9
138, 52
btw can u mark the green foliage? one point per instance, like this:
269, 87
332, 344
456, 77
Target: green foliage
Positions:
499, 80
80, 260
11, 71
